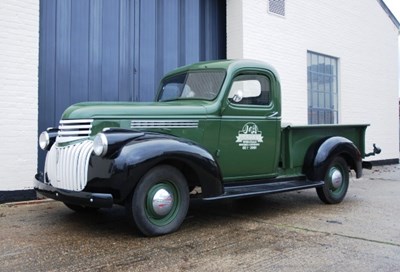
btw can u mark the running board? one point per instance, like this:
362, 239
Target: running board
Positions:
266, 188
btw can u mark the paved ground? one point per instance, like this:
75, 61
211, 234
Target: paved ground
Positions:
283, 232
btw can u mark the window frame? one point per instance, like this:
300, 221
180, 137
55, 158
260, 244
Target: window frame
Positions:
322, 88
252, 74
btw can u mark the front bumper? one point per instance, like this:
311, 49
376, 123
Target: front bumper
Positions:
80, 198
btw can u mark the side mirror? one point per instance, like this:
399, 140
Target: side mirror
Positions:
238, 96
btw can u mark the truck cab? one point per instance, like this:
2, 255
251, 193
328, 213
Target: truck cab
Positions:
213, 132
244, 110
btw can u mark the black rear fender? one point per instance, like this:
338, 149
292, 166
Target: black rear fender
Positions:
321, 153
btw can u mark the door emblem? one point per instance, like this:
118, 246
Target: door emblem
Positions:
249, 138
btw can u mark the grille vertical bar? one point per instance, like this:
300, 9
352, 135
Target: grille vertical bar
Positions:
67, 167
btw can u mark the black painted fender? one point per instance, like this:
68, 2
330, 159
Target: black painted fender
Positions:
320, 154
136, 155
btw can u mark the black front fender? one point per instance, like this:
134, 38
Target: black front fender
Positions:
135, 158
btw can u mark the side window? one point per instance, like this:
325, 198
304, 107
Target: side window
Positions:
250, 90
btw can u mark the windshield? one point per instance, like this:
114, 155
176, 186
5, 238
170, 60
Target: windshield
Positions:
192, 85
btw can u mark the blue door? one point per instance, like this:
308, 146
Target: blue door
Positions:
117, 50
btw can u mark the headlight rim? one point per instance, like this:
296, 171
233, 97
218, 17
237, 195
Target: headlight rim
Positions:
44, 140
100, 141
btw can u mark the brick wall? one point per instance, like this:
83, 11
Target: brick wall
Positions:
19, 38
358, 33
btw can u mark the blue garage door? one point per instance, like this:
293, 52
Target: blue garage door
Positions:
117, 50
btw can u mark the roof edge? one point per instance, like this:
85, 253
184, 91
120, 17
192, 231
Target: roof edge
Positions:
390, 14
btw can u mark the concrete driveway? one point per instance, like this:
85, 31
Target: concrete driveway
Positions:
284, 232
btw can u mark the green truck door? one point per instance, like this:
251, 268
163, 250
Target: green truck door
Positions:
249, 129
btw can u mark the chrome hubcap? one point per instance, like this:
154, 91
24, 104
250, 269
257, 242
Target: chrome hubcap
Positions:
162, 202
336, 179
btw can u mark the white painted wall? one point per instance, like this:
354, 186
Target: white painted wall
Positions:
19, 49
359, 33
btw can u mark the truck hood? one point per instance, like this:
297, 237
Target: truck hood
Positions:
128, 110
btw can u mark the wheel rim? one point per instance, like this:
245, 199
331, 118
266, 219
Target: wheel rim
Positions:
336, 180
162, 203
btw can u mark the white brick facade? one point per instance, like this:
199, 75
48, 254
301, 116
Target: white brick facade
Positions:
19, 47
358, 33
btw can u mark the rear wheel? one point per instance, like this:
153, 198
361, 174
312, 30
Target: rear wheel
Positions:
160, 201
336, 182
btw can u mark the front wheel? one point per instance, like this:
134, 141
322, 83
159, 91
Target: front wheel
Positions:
160, 201
336, 182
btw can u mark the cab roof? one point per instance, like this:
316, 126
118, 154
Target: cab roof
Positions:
230, 66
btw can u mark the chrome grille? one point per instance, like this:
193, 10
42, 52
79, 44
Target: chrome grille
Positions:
72, 130
67, 166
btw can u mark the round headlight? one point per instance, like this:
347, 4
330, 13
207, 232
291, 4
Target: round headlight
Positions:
100, 145
44, 140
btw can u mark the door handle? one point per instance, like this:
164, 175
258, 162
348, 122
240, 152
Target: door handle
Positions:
272, 115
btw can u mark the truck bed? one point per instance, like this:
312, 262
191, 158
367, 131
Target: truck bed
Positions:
296, 140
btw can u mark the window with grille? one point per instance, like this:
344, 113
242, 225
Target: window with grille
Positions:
322, 88
277, 7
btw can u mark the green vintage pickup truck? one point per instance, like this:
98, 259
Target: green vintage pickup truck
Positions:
213, 132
